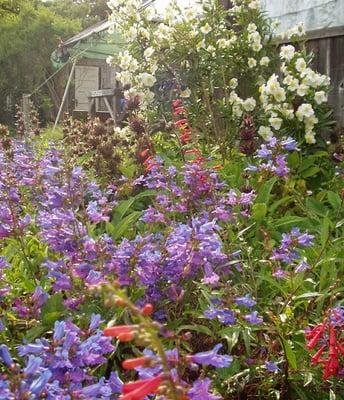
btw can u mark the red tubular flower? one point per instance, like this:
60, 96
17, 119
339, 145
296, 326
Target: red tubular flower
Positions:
116, 331
331, 367
192, 151
316, 336
181, 123
133, 363
177, 103
315, 359
178, 111
149, 163
144, 154
185, 137
333, 336
147, 309
126, 337
140, 389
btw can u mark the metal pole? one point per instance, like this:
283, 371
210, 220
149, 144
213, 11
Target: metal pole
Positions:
65, 94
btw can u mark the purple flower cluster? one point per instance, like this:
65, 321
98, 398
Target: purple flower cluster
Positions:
195, 191
161, 264
16, 175
200, 388
60, 368
5, 287
229, 316
272, 158
30, 307
68, 205
288, 253
192, 205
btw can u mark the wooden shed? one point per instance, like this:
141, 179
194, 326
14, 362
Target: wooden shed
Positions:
92, 87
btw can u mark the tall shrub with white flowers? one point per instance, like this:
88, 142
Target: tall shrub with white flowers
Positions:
226, 64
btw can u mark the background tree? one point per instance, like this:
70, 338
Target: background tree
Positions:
29, 33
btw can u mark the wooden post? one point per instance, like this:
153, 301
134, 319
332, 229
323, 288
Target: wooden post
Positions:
26, 112
65, 94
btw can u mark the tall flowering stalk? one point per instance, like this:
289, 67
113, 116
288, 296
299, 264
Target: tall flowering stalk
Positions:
159, 371
327, 338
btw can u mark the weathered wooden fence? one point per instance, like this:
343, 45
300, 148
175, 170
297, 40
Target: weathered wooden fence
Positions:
328, 48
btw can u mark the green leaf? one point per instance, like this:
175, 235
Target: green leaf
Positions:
259, 211
53, 309
316, 207
125, 224
289, 353
128, 170
325, 231
308, 295
275, 205
311, 171
196, 328
293, 160
35, 332
290, 221
339, 223
334, 199
124, 206
231, 335
265, 191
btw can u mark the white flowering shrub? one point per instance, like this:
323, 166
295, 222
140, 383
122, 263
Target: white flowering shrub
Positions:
227, 65
294, 99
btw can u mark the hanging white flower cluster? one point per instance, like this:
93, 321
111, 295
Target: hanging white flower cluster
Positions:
297, 80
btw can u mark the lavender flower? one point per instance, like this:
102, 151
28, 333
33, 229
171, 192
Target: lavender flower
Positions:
200, 390
271, 366
253, 318
245, 301
212, 358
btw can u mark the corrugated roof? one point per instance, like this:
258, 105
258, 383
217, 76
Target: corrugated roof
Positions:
99, 27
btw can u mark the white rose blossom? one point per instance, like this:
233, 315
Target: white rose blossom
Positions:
287, 52
249, 104
205, 29
146, 79
276, 123
251, 62
320, 97
305, 110
265, 132
265, 61
300, 64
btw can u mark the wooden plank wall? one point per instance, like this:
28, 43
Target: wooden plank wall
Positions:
329, 60
107, 78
